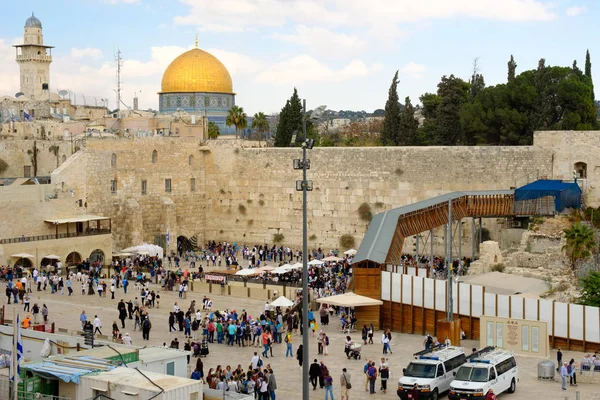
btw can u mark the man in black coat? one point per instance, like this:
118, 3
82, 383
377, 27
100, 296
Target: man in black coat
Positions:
314, 372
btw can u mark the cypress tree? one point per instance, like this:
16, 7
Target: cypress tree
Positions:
512, 67
588, 65
408, 125
391, 121
290, 119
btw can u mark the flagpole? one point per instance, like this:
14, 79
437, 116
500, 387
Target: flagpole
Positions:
14, 358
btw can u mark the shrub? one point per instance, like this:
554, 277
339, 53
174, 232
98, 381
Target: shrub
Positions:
236, 151
250, 221
222, 191
261, 202
498, 267
347, 241
221, 231
379, 204
278, 238
249, 201
398, 171
364, 212
312, 237
262, 196
3, 166
242, 209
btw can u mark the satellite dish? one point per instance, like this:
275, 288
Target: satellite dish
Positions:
19, 94
63, 92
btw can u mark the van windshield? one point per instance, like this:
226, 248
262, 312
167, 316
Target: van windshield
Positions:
417, 370
472, 374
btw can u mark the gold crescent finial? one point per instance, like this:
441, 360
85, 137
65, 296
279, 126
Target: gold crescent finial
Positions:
196, 40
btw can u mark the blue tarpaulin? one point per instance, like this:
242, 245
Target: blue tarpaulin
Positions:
566, 194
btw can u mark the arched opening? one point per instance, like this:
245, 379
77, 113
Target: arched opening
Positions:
580, 170
64, 158
74, 258
185, 244
97, 256
23, 262
113, 160
191, 160
154, 157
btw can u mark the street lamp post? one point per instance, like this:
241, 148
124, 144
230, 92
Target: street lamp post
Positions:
305, 185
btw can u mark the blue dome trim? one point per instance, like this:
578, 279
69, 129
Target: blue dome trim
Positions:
33, 22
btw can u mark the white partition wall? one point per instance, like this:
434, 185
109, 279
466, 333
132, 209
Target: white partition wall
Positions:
396, 288
575, 321
464, 304
531, 309
477, 300
516, 307
490, 305
429, 294
560, 319
418, 291
386, 277
592, 322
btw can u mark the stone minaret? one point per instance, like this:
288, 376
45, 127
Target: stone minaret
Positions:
34, 61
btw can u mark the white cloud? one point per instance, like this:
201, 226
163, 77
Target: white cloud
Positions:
305, 68
413, 70
323, 41
87, 53
236, 15
575, 11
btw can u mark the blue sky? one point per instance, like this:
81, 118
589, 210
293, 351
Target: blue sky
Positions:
342, 53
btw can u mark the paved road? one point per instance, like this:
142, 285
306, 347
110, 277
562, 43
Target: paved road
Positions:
65, 310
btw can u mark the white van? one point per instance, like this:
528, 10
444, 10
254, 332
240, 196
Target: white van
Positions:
432, 371
487, 369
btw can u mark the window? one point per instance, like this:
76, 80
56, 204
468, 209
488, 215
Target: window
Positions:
440, 371
154, 157
113, 160
113, 186
191, 160
455, 362
27, 171
192, 184
167, 185
525, 338
580, 170
144, 186
492, 374
171, 368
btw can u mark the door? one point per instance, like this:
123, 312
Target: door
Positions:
441, 379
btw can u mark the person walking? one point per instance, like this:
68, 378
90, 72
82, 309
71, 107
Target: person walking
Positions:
314, 372
490, 395
122, 313
82, 318
299, 355
45, 312
559, 356
288, 341
345, 384
26, 302
414, 393
563, 374
328, 385
372, 372
35, 310
97, 325
272, 384
571, 370
384, 374
146, 326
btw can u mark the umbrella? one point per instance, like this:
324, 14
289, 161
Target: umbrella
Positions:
350, 252
125, 254
266, 268
332, 258
143, 252
22, 255
349, 300
247, 272
315, 262
282, 270
296, 266
52, 257
282, 301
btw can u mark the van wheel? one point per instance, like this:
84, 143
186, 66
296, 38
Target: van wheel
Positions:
434, 394
513, 386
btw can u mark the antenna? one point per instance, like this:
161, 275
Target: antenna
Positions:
119, 83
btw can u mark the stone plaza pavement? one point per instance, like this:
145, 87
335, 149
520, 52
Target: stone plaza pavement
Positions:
65, 311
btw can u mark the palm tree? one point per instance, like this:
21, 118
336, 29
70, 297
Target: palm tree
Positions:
261, 124
213, 130
580, 243
236, 117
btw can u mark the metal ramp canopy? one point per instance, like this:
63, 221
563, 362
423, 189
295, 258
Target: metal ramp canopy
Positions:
382, 244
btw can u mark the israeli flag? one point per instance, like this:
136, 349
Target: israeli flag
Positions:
27, 116
168, 237
17, 336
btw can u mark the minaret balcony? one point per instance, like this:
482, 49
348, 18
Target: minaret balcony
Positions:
34, 57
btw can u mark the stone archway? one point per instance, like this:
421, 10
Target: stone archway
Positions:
97, 256
185, 244
24, 262
74, 258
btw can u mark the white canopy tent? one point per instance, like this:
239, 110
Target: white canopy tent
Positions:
315, 262
332, 258
283, 269
247, 272
282, 301
351, 252
52, 257
350, 300
145, 249
22, 255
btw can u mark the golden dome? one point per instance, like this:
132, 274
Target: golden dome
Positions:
196, 71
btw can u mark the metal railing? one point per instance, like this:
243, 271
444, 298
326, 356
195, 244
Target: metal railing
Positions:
23, 239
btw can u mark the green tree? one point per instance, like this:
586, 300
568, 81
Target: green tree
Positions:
261, 124
409, 125
590, 290
580, 243
290, 119
588, 65
391, 121
213, 130
512, 68
453, 92
238, 118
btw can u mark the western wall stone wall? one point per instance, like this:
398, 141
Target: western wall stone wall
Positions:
15, 154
